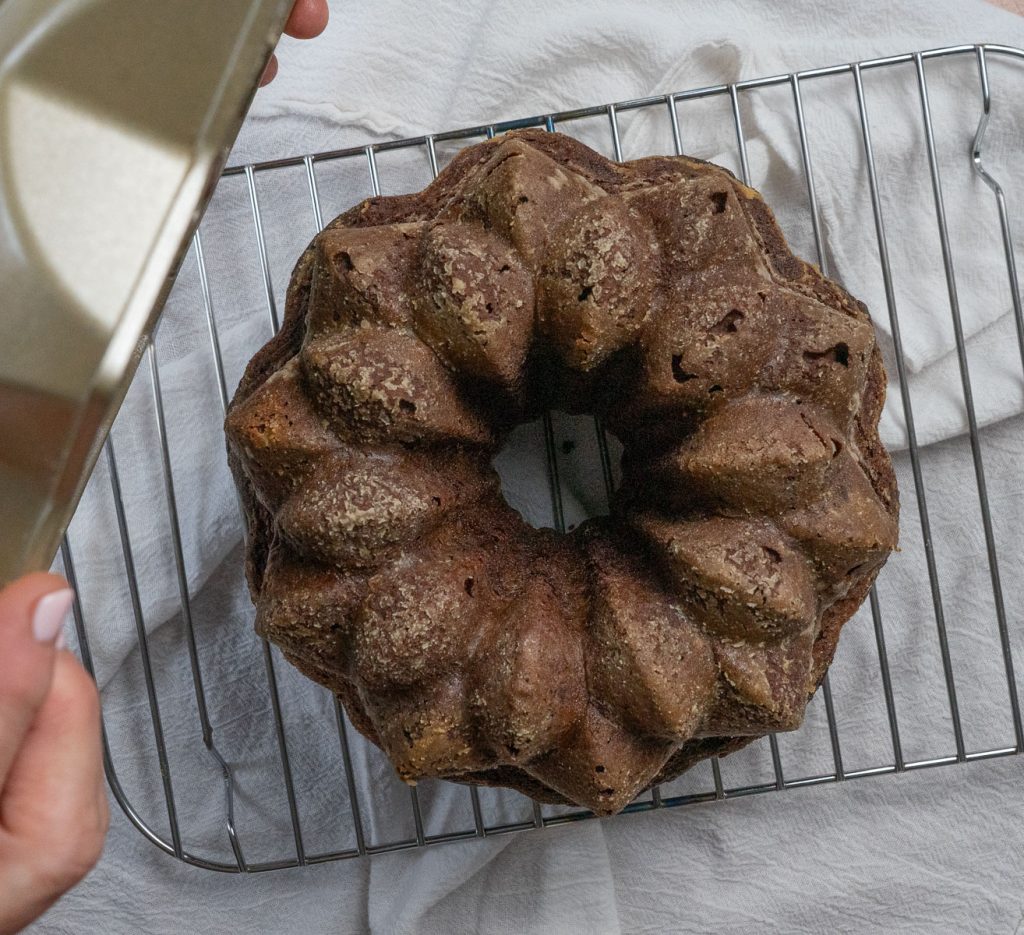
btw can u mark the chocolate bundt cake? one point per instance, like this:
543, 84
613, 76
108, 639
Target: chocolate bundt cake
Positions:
757, 504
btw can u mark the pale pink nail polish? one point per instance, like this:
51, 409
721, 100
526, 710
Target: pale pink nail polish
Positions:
50, 612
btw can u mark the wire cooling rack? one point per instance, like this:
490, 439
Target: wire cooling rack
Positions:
292, 840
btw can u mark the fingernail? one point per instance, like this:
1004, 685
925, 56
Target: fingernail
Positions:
62, 641
50, 613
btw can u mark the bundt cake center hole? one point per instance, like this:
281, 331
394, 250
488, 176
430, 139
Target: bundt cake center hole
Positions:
567, 466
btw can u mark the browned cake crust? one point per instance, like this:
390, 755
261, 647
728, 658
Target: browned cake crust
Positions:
757, 503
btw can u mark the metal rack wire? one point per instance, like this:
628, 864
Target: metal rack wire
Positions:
296, 852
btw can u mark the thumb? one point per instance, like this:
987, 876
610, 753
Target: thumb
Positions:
32, 614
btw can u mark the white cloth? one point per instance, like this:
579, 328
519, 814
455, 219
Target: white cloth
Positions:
805, 861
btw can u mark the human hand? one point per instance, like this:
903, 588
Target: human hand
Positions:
1014, 6
307, 20
53, 806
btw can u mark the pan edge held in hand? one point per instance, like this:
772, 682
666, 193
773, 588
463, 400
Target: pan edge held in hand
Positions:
116, 117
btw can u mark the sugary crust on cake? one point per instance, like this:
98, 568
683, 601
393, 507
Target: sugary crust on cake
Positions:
757, 503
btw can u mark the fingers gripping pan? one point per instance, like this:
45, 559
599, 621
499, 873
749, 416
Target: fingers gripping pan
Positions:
116, 117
